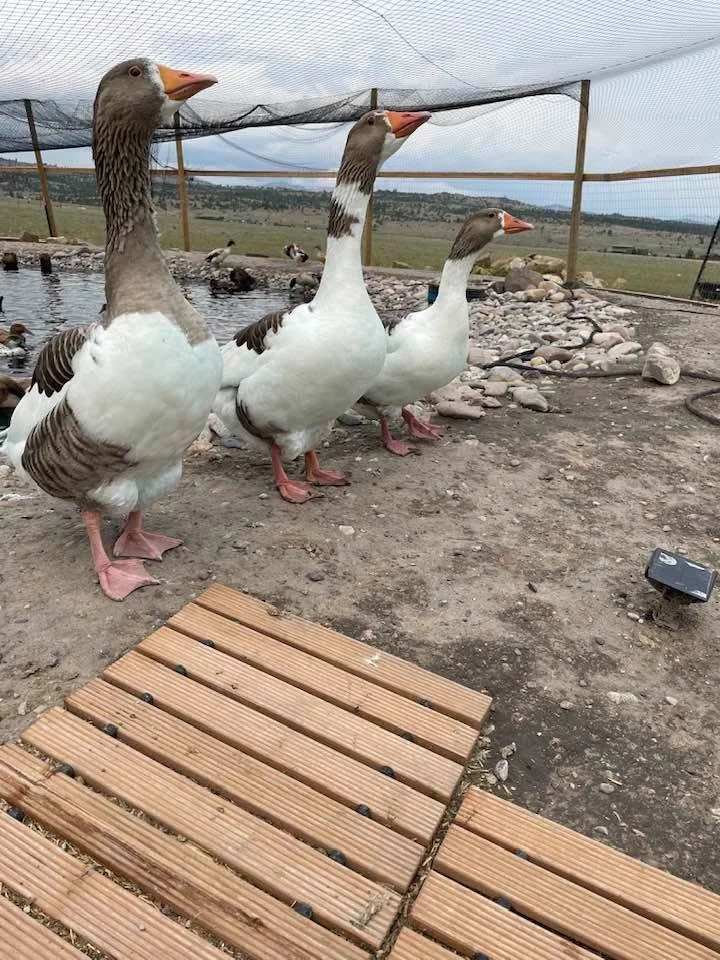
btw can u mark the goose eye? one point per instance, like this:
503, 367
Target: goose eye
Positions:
135, 72
371, 120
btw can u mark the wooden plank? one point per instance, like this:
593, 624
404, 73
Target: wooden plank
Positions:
22, 937
102, 912
182, 184
411, 763
650, 892
41, 170
382, 668
468, 923
559, 904
393, 803
177, 874
439, 733
578, 181
368, 846
275, 861
412, 946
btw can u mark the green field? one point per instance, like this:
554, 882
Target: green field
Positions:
408, 242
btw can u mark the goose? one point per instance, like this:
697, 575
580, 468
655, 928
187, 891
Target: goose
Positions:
219, 255
289, 375
12, 340
113, 405
429, 348
293, 251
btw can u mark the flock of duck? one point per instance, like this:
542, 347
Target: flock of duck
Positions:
113, 406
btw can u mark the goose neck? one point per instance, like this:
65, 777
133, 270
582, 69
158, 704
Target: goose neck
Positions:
343, 261
454, 279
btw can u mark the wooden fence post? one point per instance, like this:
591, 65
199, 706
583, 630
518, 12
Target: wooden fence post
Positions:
45, 189
182, 184
368, 231
576, 213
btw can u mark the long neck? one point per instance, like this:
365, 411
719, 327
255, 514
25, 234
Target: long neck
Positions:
343, 274
453, 282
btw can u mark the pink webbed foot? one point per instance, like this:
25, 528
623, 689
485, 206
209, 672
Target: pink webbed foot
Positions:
320, 477
398, 447
295, 491
121, 577
419, 428
139, 543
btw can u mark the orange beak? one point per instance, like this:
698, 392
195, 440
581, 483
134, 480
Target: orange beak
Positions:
181, 85
511, 224
403, 124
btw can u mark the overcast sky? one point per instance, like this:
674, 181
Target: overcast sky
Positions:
649, 108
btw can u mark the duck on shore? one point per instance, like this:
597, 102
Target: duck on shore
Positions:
219, 255
295, 253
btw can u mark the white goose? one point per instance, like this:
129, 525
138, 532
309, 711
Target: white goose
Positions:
113, 406
219, 255
428, 349
288, 376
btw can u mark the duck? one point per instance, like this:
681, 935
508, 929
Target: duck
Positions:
13, 340
237, 281
287, 376
320, 254
12, 390
293, 251
113, 405
219, 255
429, 348
305, 285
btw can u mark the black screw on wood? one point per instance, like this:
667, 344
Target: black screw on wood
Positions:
147, 697
110, 729
387, 772
364, 810
208, 643
179, 668
17, 814
408, 736
479, 956
338, 857
304, 909
46, 264
424, 702
503, 902
522, 854
66, 769
9, 261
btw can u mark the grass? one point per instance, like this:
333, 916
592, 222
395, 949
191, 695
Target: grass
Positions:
391, 242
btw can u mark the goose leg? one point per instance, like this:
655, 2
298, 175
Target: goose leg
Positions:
118, 578
136, 542
419, 428
294, 491
323, 478
398, 447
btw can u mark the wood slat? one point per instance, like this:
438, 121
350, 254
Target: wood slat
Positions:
393, 803
177, 874
412, 946
411, 763
468, 923
265, 855
102, 912
440, 733
352, 655
368, 846
22, 937
650, 892
559, 904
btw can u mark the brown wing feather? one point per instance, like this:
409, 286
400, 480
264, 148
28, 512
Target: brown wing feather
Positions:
54, 365
254, 336
64, 462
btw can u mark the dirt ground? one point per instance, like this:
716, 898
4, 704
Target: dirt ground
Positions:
508, 557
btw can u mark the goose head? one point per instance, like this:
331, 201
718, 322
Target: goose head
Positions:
483, 226
375, 137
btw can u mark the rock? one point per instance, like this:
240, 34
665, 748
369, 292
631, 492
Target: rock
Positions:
566, 705
459, 410
28, 237
546, 264
625, 349
536, 294
456, 390
621, 331
557, 297
607, 339
531, 398
621, 697
550, 353
538, 362
346, 530
491, 402
502, 769
521, 278
495, 388
584, 296
479, 357
350, 418
607, 788
672, 701
505, 374
316, 576
660, 365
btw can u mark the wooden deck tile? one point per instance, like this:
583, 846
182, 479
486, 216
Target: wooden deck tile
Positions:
176, 873
411, 813
344, 731
413, 946
368, 846
669, 901
273, 860
22, 937
441, 733
353, 656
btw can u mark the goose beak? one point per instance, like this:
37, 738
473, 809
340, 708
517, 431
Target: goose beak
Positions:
403, 124
181, 85
511, 224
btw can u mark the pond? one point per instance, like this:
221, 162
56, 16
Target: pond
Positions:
44, 303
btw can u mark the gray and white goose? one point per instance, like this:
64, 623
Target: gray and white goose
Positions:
113, 406
219, 255
288, 376
429, 348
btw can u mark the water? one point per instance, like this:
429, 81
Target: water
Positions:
44, 303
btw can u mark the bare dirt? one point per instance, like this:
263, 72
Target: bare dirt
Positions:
506, 557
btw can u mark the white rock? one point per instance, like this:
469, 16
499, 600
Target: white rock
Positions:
495, 388
621, 697
660, 365
672, 701
502, 769
491, 402
459, 410
480, 357
531, 398
346, 530
625, 349
607, 339
506, 374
